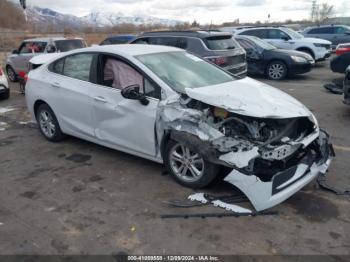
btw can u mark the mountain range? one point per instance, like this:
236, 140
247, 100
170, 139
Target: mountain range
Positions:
45, 17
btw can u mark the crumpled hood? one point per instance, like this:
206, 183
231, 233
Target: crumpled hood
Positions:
251, 98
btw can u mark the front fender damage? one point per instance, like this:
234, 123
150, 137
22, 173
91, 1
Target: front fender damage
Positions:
267, 172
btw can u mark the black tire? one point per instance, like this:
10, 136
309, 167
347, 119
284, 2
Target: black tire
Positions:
209, 171
48, 133
11, 74
276, 70
6, 95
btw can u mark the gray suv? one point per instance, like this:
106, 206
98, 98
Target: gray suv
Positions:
337, 34
18, 61
218, 47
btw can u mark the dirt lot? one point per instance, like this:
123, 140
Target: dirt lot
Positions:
75, 197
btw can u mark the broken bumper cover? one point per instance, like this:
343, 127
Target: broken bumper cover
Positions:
284, 184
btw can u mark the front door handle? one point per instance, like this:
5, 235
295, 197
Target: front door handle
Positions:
56, 85
100, 99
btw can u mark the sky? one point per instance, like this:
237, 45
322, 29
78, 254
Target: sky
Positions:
203, 11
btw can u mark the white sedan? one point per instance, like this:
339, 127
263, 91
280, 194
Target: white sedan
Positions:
4, 86
169, 106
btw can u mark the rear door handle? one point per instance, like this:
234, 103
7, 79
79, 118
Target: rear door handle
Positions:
100, 99
57, 85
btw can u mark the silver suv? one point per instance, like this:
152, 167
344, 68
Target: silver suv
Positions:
18, 61
337, 34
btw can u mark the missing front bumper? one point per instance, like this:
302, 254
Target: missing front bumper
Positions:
284, 184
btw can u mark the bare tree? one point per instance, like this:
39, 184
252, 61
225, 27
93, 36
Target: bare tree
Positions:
325, 11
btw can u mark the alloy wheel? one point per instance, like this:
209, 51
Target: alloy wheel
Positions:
11, 74
276, 71
47, 125
186, 165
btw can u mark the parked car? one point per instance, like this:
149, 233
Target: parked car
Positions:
337, 34
340, 63
18, 61
347, 87
4, 86
218, 47
265, 59
285, 38
118, 39
167, 105
342, 49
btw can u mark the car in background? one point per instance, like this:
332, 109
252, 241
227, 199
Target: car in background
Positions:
4, 86
18, 61
118, 39
285, 38
265, 59
167, 105
340, 63
337, 34
342, 49
347, 87
218, 47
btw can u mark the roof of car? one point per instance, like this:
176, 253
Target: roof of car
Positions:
132, 50
189, 33
116, 36
47, 39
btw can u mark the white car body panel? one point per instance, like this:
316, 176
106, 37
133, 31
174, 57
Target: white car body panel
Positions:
101, 115
251, 98
3, 81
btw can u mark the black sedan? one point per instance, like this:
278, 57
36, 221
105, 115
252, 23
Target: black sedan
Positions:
347, 87
265, 59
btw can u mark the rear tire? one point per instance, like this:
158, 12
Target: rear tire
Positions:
187, 167
48, 124
6, 95
277, 70
11, 74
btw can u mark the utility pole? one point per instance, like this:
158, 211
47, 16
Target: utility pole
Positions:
23, 3
314, 11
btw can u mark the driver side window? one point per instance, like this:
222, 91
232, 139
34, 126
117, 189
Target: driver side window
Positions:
119, 74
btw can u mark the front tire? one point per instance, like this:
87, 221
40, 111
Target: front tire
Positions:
48, 124
188, 167
11, 74
276, 70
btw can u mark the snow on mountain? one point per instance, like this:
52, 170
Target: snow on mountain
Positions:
45, 17
101, 19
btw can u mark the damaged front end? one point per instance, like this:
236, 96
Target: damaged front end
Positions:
271, 157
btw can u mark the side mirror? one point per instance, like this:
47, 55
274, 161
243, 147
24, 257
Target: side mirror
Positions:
51, 49
133, 92
15, 52
347, 33
285, 38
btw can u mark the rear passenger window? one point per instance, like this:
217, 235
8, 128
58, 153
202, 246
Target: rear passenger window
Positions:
75, 66
322, 30
78, 66
261, 33
57, 67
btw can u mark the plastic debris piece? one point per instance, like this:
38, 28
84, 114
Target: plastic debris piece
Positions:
231, 207
198, 197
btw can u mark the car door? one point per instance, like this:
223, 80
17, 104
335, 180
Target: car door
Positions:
20, 60
71, 93
253, 56
279, 39
341, 35
124, 123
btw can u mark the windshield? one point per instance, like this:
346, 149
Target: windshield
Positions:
220, 42
182, 70
293, 34
261, 43
68, 45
